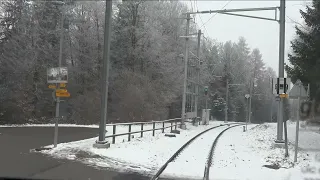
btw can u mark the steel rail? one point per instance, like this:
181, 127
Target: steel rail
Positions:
163, 167
210, 156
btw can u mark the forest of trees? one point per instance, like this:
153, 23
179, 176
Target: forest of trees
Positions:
146, 74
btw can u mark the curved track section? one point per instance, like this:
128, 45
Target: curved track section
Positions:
174, 156
209, 161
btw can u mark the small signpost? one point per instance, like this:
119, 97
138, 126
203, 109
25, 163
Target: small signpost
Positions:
297, 92
57, 78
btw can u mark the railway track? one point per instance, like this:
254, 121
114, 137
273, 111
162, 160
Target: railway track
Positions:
208, 163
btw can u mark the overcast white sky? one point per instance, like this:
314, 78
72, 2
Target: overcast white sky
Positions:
260, 34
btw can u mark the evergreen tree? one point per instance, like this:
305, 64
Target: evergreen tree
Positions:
305, 56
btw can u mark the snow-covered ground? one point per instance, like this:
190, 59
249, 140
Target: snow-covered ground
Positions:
238, 155
243, 155
145, 154
190, 163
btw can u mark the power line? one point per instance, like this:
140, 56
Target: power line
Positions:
205, 29
191, 5
216, 13
295, 22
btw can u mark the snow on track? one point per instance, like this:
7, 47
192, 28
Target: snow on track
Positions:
235, 159
191, 162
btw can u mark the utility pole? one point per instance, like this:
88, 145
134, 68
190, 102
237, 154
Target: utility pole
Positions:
183, 113
271, 109
57, 115
226, 107
198, 74
247, 112
250, 100
281, 68
105, 76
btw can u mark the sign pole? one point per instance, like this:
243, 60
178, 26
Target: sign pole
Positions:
286, 138
55, 140
297, 126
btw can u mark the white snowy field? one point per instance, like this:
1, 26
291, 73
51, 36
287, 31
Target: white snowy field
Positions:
243, 156
238, 155
145, 154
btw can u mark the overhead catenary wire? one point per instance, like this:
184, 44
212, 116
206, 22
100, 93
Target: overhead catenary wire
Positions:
295, 22
216, 13
204, 27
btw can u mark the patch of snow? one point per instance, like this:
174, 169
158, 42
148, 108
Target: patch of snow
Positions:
191, 162
248, 153
251, 155
145, 154
241, 155
238, 155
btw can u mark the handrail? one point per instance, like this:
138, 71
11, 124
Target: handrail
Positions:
146, 122
135, 132
174, 123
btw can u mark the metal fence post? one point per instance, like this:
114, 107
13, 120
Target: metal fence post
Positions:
153, 127
171, 125
162, 127
129, 135
114, 132
176, 125
141, 129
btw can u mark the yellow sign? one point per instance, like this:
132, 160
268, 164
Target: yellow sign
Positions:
61, 91
51, 86
63, 85
284, 95
62, 94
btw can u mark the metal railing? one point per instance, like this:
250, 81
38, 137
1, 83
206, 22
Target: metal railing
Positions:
173, 123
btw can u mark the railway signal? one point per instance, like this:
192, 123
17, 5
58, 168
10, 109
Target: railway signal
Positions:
206, 90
